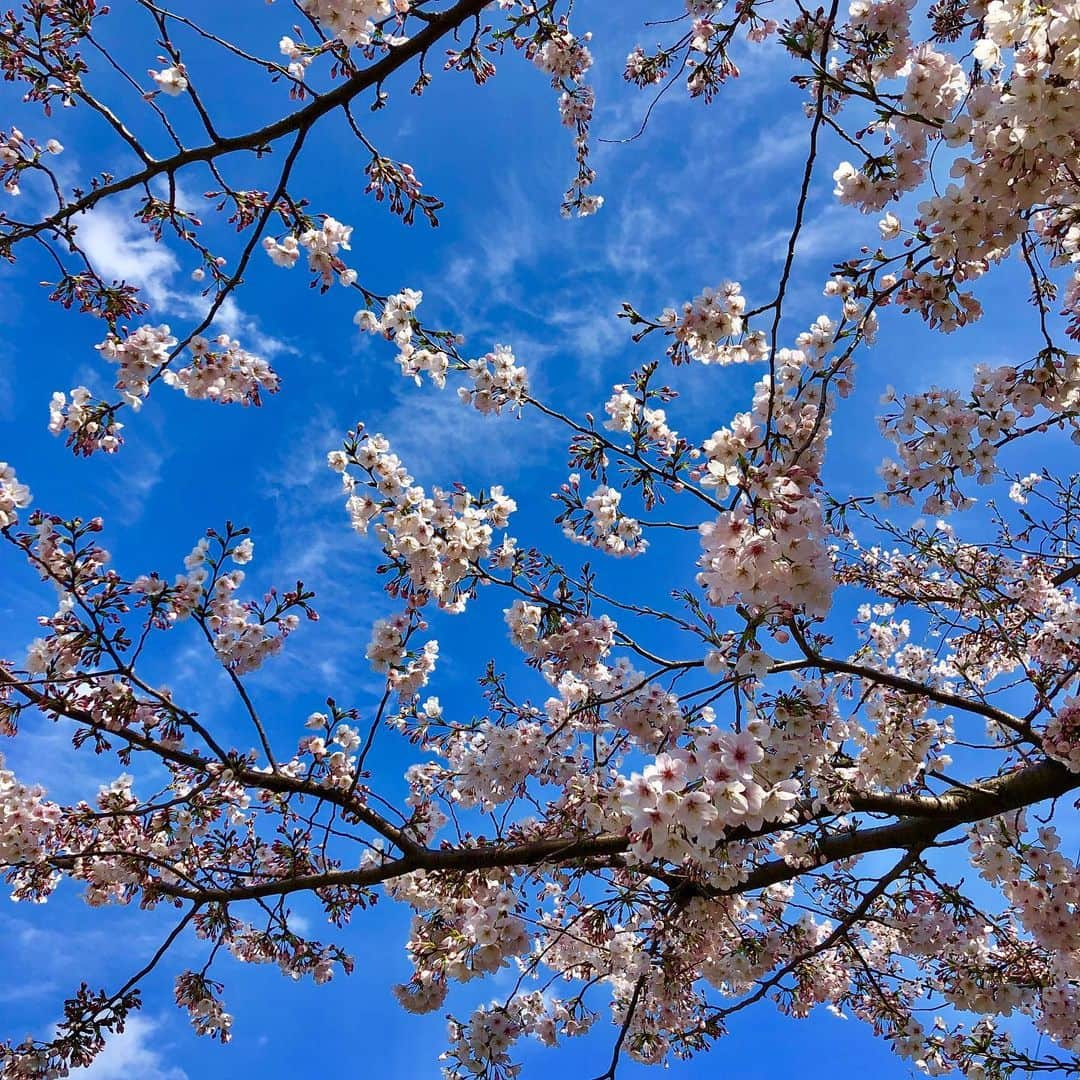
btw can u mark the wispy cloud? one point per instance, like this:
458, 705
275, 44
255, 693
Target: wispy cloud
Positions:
7, 386
774, 146
234, 321
824, 236
131, 486
319, 548
440, 440
488, 276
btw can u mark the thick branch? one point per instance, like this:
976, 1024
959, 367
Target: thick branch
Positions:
959, 806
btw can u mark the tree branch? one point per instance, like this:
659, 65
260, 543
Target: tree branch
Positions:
259, 140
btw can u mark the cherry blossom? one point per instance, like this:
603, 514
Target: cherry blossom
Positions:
170, 80
13, 496
808, 750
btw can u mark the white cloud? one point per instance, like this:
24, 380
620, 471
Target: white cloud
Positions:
138, 1051
119, 248
589, 343
319, 548
235, 322
184, 198
639, 234
34, 755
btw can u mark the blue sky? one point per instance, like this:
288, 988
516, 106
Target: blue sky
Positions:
703, 195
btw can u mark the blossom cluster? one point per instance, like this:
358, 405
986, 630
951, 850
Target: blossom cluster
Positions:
681, 805
27, 819
484, 1042
298, 55
563, 56
406, 671
244, 637
626, 413
770, 550
1043, 886
18, 152
1011, 126
244, 634
243, 644
89, 424
709, 329
227, 374
196, 994
598, 520
140, 355
396, 322
784, 562
1061, 737
13, 496
498, 380
322, 246
943, 436
171, 80
436, 541
665, 821
566, 58
220, 370
333, 753
456, 936
353, 21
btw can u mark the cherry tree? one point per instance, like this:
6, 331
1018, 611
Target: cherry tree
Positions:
733, 800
